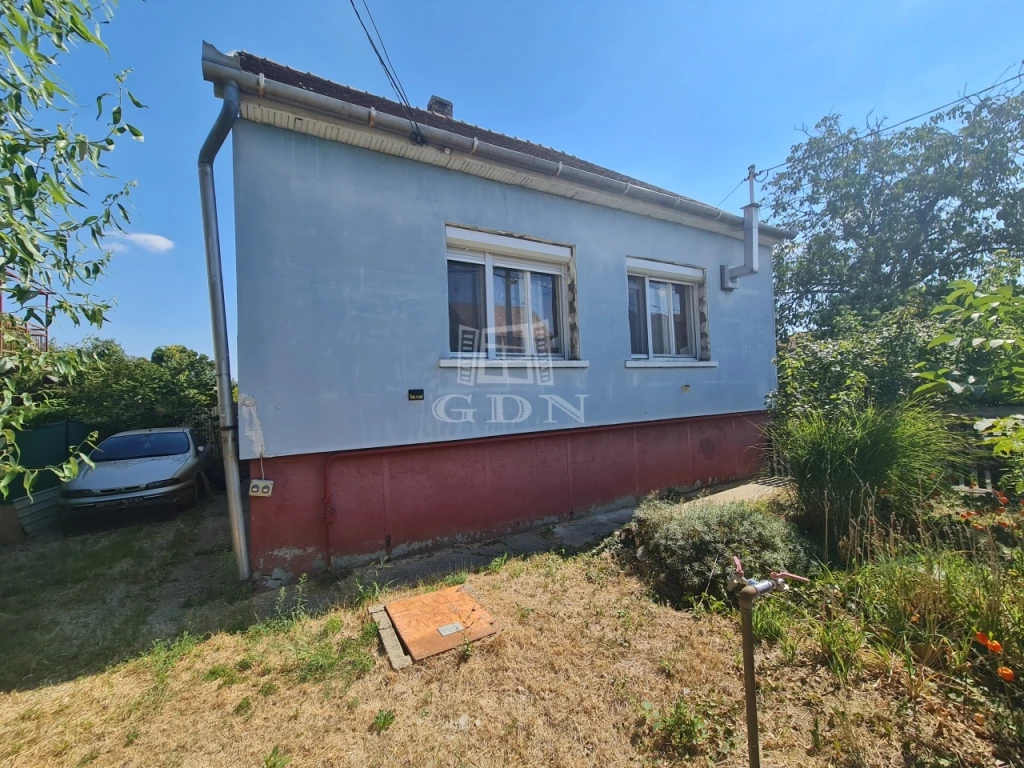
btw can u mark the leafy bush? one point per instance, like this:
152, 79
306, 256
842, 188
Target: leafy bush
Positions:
853, 363
688, 549
844, 464
117, 391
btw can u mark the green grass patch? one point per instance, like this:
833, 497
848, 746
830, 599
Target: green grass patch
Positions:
222, 673
319, 658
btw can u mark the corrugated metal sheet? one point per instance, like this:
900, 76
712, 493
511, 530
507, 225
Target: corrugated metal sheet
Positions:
39, 513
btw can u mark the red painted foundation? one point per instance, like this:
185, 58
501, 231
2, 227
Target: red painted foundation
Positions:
354, 505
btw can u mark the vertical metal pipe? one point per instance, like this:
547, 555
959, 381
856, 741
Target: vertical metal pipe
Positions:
225, 407
747, 595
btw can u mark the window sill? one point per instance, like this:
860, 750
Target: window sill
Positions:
518, 362
671, 363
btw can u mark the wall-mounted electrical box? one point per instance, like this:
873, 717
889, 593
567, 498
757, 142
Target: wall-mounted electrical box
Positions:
261, 487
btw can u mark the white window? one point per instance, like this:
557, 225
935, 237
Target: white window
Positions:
506, 296
663, 317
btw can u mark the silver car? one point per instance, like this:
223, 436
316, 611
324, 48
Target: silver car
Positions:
138, 468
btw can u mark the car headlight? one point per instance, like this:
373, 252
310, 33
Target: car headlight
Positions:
161, 484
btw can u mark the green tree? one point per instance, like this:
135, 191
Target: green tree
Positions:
858, 363
985, 329
891, 215
119, 391
51, 229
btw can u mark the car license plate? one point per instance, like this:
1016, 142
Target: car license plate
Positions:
122, 502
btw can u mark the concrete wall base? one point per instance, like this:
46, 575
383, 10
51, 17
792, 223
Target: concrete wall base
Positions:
348, 507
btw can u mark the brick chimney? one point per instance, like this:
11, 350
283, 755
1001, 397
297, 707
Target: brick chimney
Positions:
439, 106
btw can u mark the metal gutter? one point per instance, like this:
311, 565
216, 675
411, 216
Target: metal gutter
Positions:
219, 69
225, 406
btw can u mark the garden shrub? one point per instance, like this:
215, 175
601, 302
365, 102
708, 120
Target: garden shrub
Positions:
688, 549
858, 461
854, 363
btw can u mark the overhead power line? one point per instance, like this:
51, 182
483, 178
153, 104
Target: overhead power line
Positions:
394, 71
417, 136
879, 131
763, 173
731, 193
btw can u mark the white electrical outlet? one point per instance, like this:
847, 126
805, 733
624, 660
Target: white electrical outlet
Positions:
261, 487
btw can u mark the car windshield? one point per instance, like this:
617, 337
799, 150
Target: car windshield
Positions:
144, 446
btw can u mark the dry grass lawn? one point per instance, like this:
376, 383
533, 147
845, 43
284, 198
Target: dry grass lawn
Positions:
584, 665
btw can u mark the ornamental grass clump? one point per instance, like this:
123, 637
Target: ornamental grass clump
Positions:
880, 461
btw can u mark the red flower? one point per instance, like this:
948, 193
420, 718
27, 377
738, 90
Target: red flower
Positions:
995, 646
978, 527
1004, 524
1001, 498
1006, 673
981, 637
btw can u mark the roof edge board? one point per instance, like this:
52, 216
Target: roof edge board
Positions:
350, 133
219, 68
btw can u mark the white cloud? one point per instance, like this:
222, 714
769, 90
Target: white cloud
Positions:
147, 242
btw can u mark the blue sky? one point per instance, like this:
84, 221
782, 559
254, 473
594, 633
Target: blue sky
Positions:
684, 95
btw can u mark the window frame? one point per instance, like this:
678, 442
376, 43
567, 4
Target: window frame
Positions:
669, 274
529, 266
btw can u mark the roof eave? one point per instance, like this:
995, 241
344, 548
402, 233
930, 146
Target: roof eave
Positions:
220, 68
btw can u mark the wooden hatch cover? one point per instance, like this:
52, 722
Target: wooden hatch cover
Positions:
439, 621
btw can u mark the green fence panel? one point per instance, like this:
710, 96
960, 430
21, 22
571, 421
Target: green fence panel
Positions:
47, 445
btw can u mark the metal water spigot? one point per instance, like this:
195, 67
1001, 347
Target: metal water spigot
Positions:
750, 590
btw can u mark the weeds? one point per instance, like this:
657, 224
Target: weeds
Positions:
841, 641
382, 720
454, 579
222, 673
769, 620
285, 616
466, 650
497, 564
276, 759
317, 659
689, 730
371, 592
244, 707
166, 653
269, 688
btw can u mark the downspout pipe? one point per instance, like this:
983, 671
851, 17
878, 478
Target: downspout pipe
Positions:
215, 276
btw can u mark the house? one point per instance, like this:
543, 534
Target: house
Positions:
446, 333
